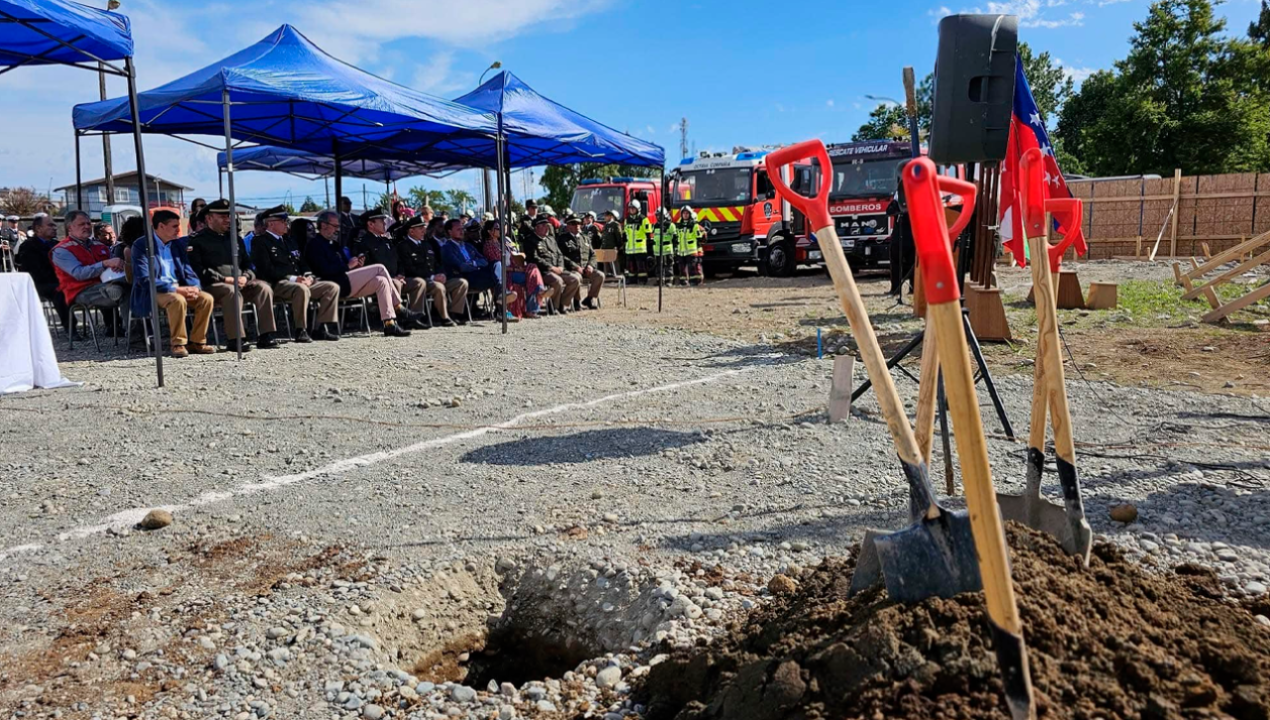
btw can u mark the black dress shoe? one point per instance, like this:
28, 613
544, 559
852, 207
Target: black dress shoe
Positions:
266, 341
446, 322
322, 333
393, 329
589, 303
303, 336
234, 345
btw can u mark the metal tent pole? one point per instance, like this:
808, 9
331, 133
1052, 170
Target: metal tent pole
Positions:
233, 221
79, 178
145, 219
220, 182
499, 149
661, 236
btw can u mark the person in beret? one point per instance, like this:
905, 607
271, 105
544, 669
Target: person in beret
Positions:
279, 262
211, 256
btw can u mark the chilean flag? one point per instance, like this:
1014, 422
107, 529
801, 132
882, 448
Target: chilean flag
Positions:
1027, 130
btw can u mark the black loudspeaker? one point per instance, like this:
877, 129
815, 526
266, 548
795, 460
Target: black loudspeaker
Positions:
974, 88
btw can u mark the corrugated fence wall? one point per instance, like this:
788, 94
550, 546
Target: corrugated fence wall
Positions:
1124, 217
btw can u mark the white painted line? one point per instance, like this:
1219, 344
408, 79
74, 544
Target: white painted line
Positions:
269, 483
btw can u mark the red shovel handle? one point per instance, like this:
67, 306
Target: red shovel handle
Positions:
1068, 213
816, 208
1032, 168
922, 185
966, 190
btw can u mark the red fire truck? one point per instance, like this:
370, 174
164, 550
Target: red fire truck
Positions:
746, 222
864, 179
615, 193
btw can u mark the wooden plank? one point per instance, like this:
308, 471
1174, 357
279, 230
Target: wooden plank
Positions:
840, 390
1226, 256
1102, 296
1177, 192
1231, 273
1236, 305
1192, 196
1207, 253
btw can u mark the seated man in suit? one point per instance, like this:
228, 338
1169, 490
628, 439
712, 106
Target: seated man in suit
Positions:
177, 286
460, 259
278, 262
355, 278
34, 258
417, 257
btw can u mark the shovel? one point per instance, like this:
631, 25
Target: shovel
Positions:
1065, 522
936, 555
922, 184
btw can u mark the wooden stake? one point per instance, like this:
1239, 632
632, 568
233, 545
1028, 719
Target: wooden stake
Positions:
1177, 193
840, 390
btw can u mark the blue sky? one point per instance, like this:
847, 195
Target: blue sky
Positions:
742, 73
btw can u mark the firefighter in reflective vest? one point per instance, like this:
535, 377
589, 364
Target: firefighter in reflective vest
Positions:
638, 228
689, 247
661, 257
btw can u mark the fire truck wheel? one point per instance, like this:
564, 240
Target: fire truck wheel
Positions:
780, 259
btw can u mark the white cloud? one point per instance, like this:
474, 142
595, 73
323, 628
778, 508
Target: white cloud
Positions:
1104, 3
1031, 13
829, 103
650, 129
437, 76
355, 29
939, 12
673, 128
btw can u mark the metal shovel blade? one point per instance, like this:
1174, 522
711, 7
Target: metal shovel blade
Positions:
932, 557
1036, 512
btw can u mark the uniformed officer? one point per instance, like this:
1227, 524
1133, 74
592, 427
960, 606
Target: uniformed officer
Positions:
278, 262
611, 234
637, 229
689, 249
417, 257
591, 229
579, 260
376, 247
211, 256
550, 262
661, 258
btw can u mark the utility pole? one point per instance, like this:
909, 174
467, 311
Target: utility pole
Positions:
683, 137
105, 137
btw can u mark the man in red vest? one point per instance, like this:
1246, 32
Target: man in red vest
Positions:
80, 262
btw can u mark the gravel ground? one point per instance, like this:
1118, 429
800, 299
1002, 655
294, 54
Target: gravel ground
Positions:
350, 518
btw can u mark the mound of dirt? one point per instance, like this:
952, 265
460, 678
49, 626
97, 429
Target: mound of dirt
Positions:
1108, 642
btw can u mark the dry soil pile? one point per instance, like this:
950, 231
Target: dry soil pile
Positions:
1108, 642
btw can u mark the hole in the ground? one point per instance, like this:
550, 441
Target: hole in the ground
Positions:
512, 654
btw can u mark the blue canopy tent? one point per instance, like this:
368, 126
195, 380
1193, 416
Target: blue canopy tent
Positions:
58, 32
312, 166
286, 91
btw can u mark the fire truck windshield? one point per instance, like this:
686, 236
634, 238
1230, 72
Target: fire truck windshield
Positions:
598, 200
870, 178
713, 186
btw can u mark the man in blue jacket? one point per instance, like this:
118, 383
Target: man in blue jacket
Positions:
177, 285
460, 259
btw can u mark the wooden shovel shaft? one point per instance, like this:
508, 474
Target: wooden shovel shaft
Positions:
1049, 354
926, 392
870, 352
976, 475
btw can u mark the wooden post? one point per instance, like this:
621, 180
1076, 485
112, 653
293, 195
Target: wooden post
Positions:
1177, 193
840, 390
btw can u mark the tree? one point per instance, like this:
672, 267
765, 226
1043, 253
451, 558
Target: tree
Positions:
24, 201
309, 206
460, 200
289, 208
435, 199
1259, 30
1186, 96
1050, 86
560, 180
889, 121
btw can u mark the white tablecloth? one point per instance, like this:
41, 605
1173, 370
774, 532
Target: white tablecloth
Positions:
27, 359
